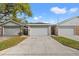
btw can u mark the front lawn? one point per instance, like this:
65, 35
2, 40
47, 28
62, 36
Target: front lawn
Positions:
11, 42
67, 42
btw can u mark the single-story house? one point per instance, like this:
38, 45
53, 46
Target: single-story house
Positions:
10, 28
69, 28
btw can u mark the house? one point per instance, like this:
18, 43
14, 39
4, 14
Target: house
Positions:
69, 28
39, 29
10, 28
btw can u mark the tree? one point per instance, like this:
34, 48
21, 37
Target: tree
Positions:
10, 10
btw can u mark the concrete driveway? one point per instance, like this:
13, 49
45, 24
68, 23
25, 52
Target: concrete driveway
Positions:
40, 45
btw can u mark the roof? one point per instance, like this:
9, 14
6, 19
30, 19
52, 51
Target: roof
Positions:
11, 21
38, 24
67, 20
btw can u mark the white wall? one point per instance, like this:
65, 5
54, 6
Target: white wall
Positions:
11, 24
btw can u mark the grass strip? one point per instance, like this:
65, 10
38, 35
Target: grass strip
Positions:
11, 42
67, 42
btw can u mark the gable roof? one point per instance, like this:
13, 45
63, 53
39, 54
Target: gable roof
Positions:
67, 20
12, 22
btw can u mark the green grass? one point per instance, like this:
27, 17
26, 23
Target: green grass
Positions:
67, 42
10, 42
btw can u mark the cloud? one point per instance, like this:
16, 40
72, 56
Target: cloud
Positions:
41, 19
37, 17
58, 10
73, 10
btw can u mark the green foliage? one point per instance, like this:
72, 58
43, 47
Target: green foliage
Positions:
13, 9
16, 19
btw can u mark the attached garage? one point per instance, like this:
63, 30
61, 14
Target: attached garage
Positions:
39, 29
10, 28
69, 28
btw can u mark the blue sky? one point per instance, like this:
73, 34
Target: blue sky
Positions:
53, 12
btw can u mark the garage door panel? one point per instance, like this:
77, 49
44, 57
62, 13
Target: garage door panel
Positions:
39, 31
66, 31
11, 31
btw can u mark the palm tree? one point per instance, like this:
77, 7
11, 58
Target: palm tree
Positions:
11, 9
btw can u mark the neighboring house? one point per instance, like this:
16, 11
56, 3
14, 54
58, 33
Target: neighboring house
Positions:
39, 29
10, 28
69, 28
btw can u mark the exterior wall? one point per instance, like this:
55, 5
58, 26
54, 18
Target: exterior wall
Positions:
11, 24
1, 31
76, 30
53, 30
49, 31
66, 30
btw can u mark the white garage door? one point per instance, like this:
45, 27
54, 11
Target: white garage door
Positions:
66, 31
38, 31
11, 31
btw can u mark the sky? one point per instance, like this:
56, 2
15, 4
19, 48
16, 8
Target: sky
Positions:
52, 12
